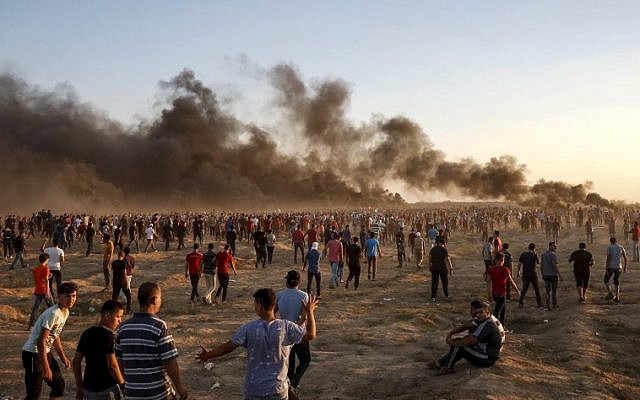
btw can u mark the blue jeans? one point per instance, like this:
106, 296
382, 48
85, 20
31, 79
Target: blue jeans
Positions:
634, 246
333, 280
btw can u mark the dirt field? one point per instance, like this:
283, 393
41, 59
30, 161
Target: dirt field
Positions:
374, 343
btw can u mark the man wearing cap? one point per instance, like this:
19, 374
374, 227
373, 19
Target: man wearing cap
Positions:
289, 303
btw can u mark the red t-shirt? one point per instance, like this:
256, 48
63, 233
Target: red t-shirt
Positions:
635, 233
223, 260
298, 236
40, 279
194, 259
499, 278
312, 236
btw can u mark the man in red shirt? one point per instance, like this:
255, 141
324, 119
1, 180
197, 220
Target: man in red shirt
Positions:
193, 270
41, 276
223, 260
312, 236
635, 237
498, 277
297, 239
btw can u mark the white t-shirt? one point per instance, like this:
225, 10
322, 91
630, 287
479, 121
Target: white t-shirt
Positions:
55, 256
53, 319
149, 232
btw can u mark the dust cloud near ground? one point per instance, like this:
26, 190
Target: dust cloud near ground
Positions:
375, 343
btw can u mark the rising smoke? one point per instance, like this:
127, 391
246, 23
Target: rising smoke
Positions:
63, 154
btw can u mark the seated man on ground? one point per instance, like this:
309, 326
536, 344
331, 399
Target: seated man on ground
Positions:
480, 347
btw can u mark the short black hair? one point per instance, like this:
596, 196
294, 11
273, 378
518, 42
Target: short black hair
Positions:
110, 306
43, 257
146, 292
67, 287
582, 245
479, 304
265, 297
532, 246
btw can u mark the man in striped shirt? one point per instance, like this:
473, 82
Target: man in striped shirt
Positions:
146, 352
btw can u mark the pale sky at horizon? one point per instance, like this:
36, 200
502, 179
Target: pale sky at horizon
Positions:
554, 83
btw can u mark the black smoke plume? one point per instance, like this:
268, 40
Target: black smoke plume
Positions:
66, 155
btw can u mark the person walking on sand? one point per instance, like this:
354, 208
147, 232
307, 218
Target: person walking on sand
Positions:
418, 249
354, 254
224, 259
193, 271
290, 305
41, 292
498, 277
146, 351
372, 248
550, 275
37, 360
102, 378
528, 261
615, 257
150, 235
312, 260
268, 342
582, 262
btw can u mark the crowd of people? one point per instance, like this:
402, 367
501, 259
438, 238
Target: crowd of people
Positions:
118, 358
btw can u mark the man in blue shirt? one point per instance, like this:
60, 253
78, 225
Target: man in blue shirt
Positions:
372, 247
289, 304
312, 260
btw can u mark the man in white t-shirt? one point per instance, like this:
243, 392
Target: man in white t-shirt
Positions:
56, 259
37, 358
150, 235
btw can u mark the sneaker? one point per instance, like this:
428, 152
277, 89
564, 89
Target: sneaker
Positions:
433, 299
609, 296
616, 300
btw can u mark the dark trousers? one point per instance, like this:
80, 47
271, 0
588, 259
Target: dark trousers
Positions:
310, 277
551, 289
117, 287
354, 273
90, 247
56, 277
443, 275
533, 280
297, 246
195, 278
270, 253
457, 353
34, 375
500, 308
303, 353
223, 280
261, 255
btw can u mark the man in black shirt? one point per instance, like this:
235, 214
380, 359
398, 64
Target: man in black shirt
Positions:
438, 262
102, 376
354, 253
119, 281
528, 261
90, 233
582, 261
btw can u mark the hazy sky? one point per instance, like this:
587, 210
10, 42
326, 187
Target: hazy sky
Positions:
554, 83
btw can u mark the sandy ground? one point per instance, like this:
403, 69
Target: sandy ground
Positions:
374, 343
